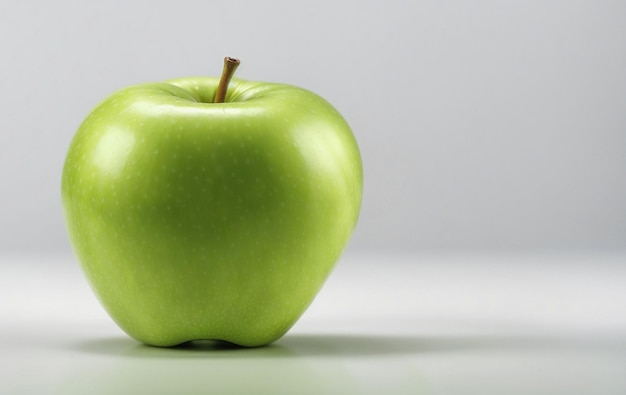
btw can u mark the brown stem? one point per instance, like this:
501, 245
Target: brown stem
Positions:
230, 65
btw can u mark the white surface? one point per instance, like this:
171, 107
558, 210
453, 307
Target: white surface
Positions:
440, 324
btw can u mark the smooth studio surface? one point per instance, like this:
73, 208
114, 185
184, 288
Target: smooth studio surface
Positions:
414, 324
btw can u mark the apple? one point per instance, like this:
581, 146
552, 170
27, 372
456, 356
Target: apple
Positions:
194, 218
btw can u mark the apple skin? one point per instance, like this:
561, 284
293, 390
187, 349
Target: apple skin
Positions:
197, 220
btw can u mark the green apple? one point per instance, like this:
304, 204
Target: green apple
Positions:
194, 219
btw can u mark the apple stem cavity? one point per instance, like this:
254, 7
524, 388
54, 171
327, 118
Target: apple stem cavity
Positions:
230, 65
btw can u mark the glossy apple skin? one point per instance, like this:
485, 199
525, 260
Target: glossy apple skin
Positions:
195, 220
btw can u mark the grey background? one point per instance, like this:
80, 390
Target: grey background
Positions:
483, 125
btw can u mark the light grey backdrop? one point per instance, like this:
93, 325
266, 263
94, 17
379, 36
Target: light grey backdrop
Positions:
482, 124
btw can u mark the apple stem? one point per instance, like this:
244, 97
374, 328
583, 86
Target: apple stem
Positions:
230, 65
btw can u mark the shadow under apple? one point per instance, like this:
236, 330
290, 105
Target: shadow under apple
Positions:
297, 363
322, 345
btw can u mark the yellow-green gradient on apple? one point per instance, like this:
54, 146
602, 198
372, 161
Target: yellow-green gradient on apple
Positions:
200, 220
